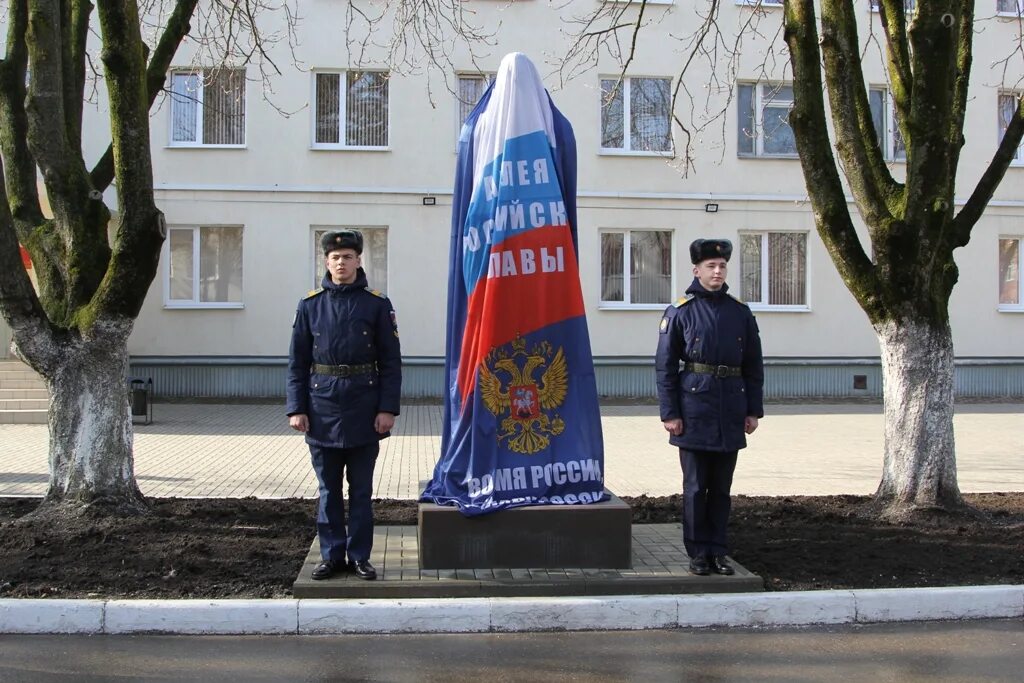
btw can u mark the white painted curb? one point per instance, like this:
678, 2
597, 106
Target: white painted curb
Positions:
425, 615
925, 604
51, 616
201, 616
489, 615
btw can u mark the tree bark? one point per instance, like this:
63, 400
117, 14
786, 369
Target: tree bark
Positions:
919, 466
91, 437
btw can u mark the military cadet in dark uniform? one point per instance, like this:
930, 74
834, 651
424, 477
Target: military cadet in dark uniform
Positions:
344, 384
710, 384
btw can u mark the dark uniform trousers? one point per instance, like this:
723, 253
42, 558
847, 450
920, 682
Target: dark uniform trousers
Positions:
356, 465
707, 481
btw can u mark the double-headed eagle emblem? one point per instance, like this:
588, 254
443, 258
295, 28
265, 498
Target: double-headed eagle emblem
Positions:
507, 386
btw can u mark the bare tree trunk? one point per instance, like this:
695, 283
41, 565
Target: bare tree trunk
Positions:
919, 467
91, 437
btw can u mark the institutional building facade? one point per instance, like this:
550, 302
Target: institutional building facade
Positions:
248, 179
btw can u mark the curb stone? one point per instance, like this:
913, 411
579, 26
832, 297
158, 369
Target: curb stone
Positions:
488, 615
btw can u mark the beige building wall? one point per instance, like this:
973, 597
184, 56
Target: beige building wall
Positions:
278, 189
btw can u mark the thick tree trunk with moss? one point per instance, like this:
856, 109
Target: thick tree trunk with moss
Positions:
905, 283
91, 460
74, 331
919, 467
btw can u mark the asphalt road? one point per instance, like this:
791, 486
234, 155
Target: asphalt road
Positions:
934, 652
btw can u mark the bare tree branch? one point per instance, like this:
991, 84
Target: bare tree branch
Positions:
986, 187
140, 225
824, 186
156, 75
415, 36
20, 176
901, 80
19, 303
874, 189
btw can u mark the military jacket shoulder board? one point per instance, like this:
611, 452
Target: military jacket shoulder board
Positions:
313, 292
682, 300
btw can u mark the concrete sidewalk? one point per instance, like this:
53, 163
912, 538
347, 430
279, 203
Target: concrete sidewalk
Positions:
200, 450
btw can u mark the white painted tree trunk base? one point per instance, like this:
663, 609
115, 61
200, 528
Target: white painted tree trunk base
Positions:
91, 436
919, 468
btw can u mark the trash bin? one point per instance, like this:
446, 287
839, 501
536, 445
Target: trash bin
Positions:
140, 398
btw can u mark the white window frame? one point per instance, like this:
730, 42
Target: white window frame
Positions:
343, 113
1018, 158
908, 5
194, 302
891, 126
487, 77
625, 85
759, 104
1019, 306
200, 111
627, 284
1016, 13
761, 305
318, 254
760, 3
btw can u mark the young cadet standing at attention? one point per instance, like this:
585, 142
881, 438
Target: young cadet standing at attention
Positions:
710, 387
344, 385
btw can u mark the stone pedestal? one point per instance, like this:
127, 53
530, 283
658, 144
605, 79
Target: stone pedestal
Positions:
597, 535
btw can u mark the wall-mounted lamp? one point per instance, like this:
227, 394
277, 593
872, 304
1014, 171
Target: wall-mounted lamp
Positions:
711, 207
429, 201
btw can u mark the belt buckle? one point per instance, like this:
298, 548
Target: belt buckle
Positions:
721, 371
343, 371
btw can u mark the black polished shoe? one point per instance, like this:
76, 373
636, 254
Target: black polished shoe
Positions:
326, 570
721, 566
363, 569
699, 566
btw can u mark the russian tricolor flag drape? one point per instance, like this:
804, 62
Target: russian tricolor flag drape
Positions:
522, 423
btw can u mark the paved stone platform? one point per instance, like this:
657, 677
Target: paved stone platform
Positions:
231, 451
659, 567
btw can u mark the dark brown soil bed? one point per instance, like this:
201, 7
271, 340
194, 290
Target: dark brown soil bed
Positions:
235, 548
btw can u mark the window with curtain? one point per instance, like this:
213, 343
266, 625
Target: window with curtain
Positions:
883, 116
1009, 273
204, 266
1007, 107
1014, 7
350, 109
763, 123
374, 257
636, 114
646, 256
208, 107
773, 269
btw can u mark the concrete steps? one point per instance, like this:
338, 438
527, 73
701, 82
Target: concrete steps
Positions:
23, 417
23, 395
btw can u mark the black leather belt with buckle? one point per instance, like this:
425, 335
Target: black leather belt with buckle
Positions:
343, 370
715, 370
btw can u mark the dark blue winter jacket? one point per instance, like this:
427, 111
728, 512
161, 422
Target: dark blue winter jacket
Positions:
712, 329
349, 325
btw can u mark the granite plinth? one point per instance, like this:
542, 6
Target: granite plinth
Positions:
539, 536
